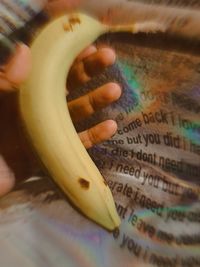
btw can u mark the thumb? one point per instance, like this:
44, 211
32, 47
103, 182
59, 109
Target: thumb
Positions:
17, 69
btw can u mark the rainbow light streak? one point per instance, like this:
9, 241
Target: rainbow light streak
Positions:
133, 85
88, 247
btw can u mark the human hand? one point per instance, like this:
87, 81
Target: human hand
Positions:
16, 160
91, 62
17, 69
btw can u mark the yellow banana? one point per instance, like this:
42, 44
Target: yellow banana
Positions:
42, 99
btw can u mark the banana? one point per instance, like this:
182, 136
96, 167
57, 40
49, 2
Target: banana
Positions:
42, 101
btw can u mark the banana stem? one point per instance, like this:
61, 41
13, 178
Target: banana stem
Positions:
122, 28
146, 27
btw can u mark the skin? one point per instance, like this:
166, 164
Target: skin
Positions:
16, 158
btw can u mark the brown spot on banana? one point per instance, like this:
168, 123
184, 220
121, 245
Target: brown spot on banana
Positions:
74, 20
84, 183
67, 27
42, 101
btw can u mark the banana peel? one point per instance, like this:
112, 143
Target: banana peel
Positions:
42, 101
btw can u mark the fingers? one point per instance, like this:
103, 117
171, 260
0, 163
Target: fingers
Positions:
98, 133
89, 65
86, 105
17, 69
87, 52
